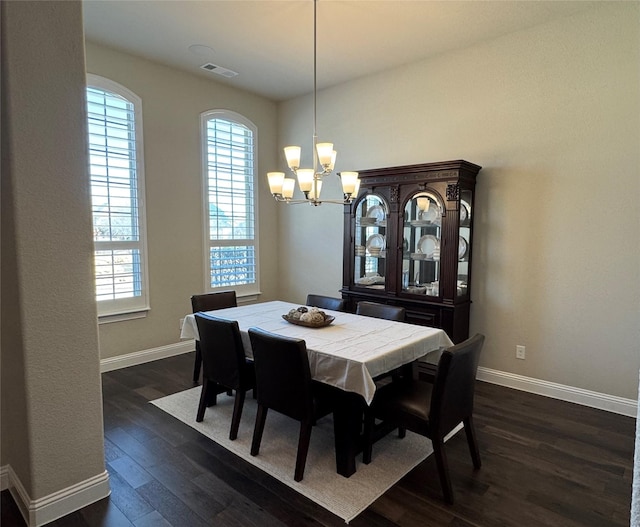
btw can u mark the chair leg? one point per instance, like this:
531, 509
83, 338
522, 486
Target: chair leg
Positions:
472, 442
303, 448
204, 398
261, 417
197, 363
237, 414
443, 470
402, 432
213, 389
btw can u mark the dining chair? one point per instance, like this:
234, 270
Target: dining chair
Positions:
326, 302
387, 312
284, 384
376, 310
431, 410
209, 302
225, 366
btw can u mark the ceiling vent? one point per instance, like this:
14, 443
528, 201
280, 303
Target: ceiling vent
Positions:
219, 70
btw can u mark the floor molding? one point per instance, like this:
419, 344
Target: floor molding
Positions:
58, 504
601, 401
140, 357
4, 477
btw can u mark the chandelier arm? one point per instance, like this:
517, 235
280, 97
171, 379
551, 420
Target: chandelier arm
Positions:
326, 160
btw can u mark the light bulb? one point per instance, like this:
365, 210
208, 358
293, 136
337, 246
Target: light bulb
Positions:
305, 178
325, 152
292, 153
315, 191
275, 182
348, 182
287, 187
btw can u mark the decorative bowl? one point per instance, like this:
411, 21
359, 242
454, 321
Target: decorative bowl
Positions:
327, 320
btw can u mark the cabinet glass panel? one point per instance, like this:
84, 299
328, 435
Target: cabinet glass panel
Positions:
370, 243
422, 231
464, 242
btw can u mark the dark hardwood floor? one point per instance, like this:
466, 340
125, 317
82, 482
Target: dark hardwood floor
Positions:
545, 463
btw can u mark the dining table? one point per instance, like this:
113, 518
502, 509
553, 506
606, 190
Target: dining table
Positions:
347, 354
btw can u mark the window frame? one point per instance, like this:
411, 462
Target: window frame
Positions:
137, 306
251, 290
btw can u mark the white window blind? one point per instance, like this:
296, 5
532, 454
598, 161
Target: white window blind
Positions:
230, 206
114, 122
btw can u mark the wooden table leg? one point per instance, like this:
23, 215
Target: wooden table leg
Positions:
347, 427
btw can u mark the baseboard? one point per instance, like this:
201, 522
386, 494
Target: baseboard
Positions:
4, 477
601, 401
45, 510
140, 357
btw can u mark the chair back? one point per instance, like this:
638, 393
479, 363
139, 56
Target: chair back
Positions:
213, 301
326, 302
454, 385
223, 357
283, 377
373, 309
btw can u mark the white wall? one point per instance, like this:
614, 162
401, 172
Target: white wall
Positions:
551, 113
172, 102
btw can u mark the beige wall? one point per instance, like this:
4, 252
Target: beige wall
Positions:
52, 436
552, 114
172, 102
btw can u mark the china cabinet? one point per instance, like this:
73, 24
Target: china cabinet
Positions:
408, 242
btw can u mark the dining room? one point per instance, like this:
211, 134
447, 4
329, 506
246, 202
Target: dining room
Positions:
547, 109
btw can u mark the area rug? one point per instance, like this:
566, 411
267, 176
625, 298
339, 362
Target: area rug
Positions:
345, 497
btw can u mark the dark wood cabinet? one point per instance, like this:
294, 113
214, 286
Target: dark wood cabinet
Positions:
408, 242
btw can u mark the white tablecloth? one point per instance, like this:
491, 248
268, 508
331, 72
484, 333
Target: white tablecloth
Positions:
348, 353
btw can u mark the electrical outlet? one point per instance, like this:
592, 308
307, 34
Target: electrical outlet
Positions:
520, 352
181, 323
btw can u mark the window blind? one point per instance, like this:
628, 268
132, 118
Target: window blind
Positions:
231, 206
115, 189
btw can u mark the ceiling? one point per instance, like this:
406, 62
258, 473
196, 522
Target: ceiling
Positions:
269, 43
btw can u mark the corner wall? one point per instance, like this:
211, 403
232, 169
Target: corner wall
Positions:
551, 114
172, 101
52, 435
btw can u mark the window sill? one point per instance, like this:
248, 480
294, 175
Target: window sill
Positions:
248, 298
121, 317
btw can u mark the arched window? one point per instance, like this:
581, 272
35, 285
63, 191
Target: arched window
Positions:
117, 194
229, 164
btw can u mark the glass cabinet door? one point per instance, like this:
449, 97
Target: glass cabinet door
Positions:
464, 242
370, 242
422, 232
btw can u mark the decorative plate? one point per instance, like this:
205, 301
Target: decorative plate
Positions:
375, 241
463, 248
427, 245
328, 319
376, 212
370, 280
432, 214
465, 211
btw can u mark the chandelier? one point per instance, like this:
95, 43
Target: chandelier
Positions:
324, 159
